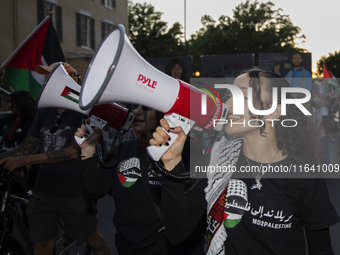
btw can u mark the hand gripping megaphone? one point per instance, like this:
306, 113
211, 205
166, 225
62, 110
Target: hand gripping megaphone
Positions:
118, 73
60, 90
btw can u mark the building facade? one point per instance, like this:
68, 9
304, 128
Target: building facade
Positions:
80, 24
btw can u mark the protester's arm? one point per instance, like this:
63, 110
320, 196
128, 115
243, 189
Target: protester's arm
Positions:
182, 212
95, 183
26, 147
317, 216
57, 156
319, 242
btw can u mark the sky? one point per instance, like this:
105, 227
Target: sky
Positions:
318, 20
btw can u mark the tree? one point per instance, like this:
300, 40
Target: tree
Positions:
151, 34
254, 28
332, 62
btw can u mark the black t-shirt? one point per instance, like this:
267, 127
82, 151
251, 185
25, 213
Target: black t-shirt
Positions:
275, 216
140, 229
135, 219
61, 180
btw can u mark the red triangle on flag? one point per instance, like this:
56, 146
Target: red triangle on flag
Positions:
122, 178
225, 215
326, 73
29, 56
65, 92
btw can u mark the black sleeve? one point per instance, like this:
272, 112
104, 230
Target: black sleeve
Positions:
95, 183
319, 242
184, 213
317, 210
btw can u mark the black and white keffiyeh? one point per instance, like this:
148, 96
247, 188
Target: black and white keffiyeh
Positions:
224, 153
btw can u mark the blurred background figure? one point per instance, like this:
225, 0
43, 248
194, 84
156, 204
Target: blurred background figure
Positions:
298, 76
320, 115
331, 126
13, 128
176, 69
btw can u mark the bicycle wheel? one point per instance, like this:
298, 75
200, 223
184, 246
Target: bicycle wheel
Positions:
67, 246
12, 247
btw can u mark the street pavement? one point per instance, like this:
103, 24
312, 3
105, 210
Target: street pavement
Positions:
106, 209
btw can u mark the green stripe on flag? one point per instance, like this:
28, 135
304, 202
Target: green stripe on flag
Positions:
71, 98
128, 184
231, 223
21, 79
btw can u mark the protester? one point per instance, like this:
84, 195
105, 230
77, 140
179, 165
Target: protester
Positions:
143, 224
254, 214
58, 187
13, 130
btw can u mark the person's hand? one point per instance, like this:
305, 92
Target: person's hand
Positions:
12, 163
160, 138
88, 147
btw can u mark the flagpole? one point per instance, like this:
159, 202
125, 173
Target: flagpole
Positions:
3, 90
26, 39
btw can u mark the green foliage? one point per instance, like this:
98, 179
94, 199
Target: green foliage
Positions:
332, 63
254, 28
151, 34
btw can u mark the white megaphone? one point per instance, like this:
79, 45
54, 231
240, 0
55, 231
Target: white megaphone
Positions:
61, 91
118, 73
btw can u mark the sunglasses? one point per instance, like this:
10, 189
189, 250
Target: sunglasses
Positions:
75, 75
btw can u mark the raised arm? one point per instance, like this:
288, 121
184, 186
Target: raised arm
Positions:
184, 213
95, 184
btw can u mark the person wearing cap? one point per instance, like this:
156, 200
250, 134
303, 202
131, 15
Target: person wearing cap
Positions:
58, 186
71, 71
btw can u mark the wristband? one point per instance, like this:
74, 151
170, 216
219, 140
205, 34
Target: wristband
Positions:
82, 157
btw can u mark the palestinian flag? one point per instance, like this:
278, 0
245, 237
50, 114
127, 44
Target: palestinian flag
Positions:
42, 47
230, 220
329, 78
127, 182
70, 94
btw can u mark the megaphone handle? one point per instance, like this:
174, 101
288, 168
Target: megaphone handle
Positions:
174, 120
94, 121
83, 139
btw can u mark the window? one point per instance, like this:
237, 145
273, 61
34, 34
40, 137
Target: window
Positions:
109, 3
85, 30
106, 27
44, 8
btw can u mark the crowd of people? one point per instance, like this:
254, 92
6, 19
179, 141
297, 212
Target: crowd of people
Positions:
155, 211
